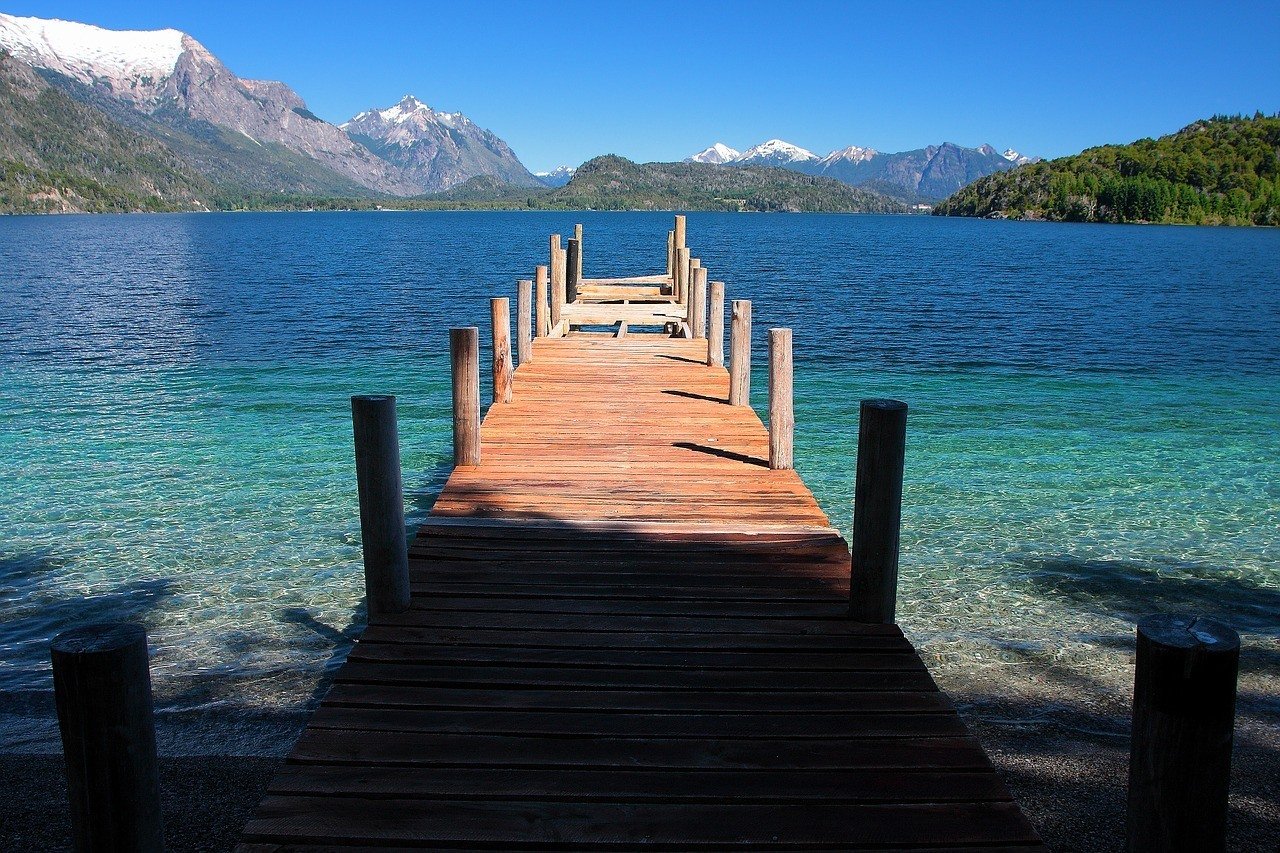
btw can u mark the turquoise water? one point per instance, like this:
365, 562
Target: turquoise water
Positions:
1094, 428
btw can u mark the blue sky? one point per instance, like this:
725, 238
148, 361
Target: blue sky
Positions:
566, 81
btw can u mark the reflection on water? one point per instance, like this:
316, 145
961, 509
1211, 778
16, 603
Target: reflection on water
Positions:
1094, 427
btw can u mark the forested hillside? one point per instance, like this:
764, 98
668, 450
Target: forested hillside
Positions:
1223, 171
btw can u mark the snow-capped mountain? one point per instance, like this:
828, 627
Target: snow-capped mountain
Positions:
1016, 158
557, 177
436, 150
775, 152
133, 65
852, 154
718, 154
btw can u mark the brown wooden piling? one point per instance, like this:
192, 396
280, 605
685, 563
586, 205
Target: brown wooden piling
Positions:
1184, 700
540, 277
557, 280
381, 491
682, 275
877, 511
577, 235
671, 249
573, 270
464, 354
679, 229
102, 690
782, 421
524, 321
740, 354
698, 304
715, 326
500, 311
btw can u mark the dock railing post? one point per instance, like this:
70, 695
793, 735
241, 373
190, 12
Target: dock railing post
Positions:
715, 326
378, 479
698, 304
102, 690
557, 280
573, 270
540, 276
687, 296
524, 320
877, 511
782, 420
678, 227
671, 252
1184, 700
464, 354
740, 354
500, 312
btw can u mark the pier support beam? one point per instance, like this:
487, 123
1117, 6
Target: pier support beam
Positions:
577, 235
678, 228
524, 321
715, 326
464, 354
671, 252
877, 511
573, 270
102, 689
681, 289
782, 420
540, 278
1184, 702
557, 279
740, 354
500, 312
382, 534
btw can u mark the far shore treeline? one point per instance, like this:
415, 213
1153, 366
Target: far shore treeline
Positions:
1223, 171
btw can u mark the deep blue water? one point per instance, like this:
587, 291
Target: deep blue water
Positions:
1094, 433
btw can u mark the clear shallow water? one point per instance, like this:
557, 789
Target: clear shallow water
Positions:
1094, 432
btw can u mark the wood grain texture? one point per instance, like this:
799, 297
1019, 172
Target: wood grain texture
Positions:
628, 632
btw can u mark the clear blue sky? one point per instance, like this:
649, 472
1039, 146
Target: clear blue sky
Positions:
565, 81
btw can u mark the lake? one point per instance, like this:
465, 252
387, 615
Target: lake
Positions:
1094, 427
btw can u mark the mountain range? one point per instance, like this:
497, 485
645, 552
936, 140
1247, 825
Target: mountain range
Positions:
104, 119
922, 175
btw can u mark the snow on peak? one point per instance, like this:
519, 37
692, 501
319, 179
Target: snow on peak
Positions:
718, 153
88, 53
408, 110
777, 149
1014, 157
557, 171
854, 154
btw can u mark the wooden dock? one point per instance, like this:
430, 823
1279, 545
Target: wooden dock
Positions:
629, 628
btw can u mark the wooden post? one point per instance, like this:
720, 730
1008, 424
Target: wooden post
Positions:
694, 266
577, 235
698, 304
500, 312
740, 354
464, 353
378, 479
877, 510
573, 270
551, 255
782, 419
679, 231
557, 282
1184, 702
102, 689
682, 275
715, 333
540, 276
524, 321
671, 250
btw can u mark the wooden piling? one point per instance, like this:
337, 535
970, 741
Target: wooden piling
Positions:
573, 270
698, 304
1184, 700
740, 354
540, 277
782, 420
524, 321
671, 248
381, 490
682, 275
500, 312
715, 326
464, 354
694, 266
577, 235
679, 229
102, 690
877, 511
557, 280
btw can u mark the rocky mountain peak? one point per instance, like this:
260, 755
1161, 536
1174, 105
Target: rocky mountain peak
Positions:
718, 153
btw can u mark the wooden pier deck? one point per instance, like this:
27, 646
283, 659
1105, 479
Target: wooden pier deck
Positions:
627, 632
